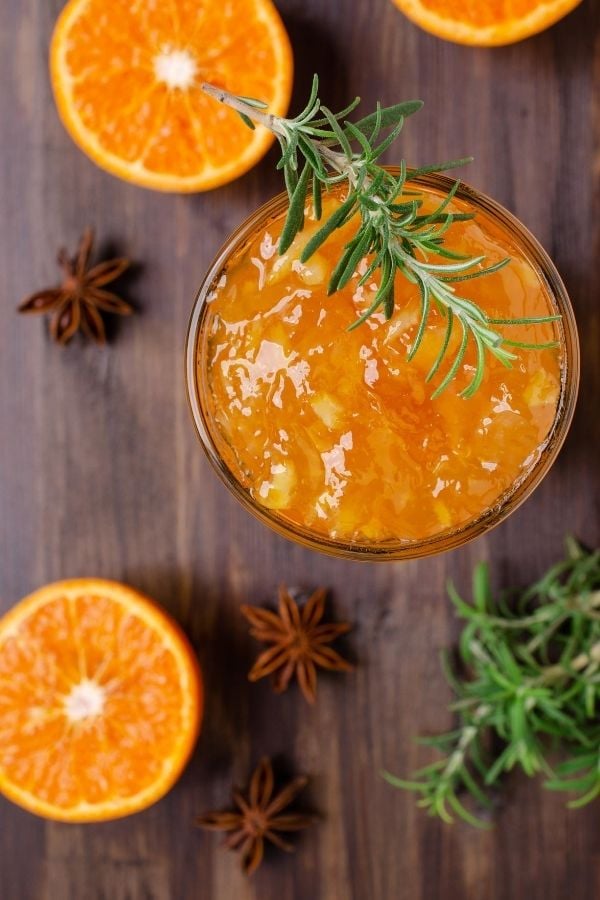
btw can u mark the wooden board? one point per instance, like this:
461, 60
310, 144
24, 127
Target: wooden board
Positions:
100, 473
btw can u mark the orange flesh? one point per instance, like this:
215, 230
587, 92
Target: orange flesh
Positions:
98, 708
337, 431
157, 125
483, 15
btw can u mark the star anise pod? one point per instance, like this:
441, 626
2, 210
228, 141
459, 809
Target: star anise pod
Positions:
299, 640
78, 302
259, 816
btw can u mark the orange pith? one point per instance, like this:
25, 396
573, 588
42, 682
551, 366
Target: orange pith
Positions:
485, 22
126, 78
100, 704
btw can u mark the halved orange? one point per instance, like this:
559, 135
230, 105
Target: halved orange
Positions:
485, 23
100, 701
126, 77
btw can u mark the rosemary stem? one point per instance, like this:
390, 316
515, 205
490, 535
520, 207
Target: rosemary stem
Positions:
584, 603
269, 120
578, 664
339, 162
548, 675
468, 735
336, 160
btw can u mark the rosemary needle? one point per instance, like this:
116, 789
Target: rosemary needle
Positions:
321, 149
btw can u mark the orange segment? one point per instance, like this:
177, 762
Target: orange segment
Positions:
126, 78
485, 22
100, 703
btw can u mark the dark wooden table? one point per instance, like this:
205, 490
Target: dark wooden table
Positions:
101, 474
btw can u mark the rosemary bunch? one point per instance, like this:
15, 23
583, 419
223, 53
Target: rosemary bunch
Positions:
534, 686
321, 149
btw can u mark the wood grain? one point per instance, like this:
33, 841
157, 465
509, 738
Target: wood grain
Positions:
100, 473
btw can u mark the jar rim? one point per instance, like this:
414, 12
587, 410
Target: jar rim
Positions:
507, 503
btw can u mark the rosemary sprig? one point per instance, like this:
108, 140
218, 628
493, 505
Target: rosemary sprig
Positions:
321, 149
534, 686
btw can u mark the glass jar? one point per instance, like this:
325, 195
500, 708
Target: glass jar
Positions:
197, 387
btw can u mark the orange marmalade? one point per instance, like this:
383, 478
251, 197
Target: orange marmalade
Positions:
335, 431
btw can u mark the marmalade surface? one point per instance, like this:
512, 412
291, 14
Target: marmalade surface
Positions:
336, 431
